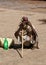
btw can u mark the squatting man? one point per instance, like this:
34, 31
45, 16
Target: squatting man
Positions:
29, 33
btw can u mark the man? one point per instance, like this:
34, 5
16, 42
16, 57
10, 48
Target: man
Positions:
30, 33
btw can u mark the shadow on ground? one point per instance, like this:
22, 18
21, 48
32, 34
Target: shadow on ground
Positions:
43, 21
17, 47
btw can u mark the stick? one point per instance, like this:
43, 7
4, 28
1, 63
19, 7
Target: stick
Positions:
22, 43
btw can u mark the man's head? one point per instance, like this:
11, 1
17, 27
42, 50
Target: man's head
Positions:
25, 19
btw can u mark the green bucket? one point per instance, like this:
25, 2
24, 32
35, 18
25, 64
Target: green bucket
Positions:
5, 44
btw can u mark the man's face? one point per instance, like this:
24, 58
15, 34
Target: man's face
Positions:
24, 23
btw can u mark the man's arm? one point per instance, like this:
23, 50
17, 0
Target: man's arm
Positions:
33, 28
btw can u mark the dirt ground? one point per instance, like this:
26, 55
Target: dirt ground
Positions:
9, 21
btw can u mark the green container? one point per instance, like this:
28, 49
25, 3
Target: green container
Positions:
6, 44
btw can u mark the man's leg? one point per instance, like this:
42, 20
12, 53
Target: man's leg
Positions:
36, 41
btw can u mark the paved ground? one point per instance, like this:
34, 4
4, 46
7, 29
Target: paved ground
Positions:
9, 21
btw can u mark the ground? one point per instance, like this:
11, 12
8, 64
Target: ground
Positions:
9, 21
